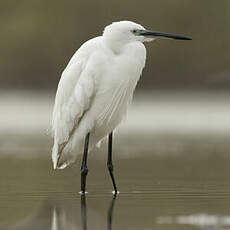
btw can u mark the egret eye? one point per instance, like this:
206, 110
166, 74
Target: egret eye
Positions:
134, 31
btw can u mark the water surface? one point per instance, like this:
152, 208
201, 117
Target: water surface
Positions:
165, 182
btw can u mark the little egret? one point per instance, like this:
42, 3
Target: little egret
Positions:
95, 90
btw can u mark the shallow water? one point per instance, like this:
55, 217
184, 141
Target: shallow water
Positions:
165, 182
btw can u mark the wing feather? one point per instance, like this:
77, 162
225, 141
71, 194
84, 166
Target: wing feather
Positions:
116, 100
72, 100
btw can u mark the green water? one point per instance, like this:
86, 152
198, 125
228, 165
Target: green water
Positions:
164, 182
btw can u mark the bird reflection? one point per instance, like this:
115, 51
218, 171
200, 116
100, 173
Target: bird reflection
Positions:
109, 213
66, 217
83, 213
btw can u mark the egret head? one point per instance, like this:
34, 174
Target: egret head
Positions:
123, 32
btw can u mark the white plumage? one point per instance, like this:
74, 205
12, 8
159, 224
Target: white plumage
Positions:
95, 90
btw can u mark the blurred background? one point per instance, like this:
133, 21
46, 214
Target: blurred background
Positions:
39, 37
175, 144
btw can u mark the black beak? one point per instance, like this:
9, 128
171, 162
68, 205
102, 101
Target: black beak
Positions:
149, 33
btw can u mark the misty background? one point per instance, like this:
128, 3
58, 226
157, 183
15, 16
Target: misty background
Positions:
184, 88
39, 37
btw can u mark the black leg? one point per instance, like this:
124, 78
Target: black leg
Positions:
84, 169
110, 161
110, 213
83, 213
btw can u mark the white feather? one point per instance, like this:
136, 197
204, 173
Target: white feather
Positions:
94, 92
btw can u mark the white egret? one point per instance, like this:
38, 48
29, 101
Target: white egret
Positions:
95, 90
